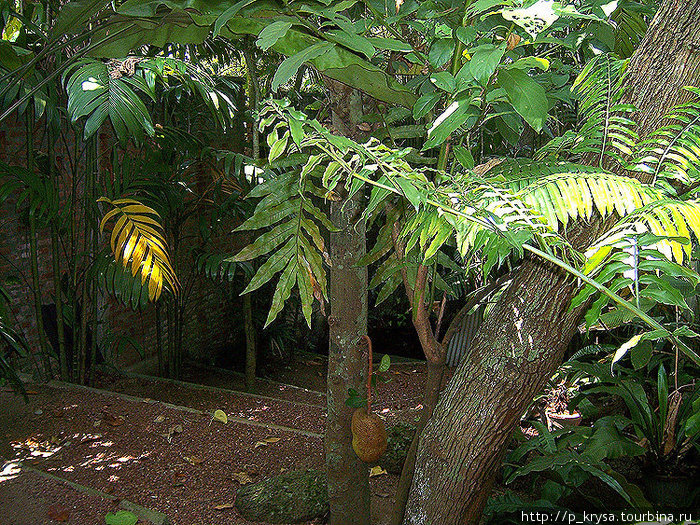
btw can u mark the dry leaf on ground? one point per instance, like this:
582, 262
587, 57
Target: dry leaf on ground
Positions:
58, 513
220, 415
243, 478
376, 471
267, 441
193, 460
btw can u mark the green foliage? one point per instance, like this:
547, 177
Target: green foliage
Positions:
99, 90
665, 420
572, 455
606, 128
11, 342
672, 152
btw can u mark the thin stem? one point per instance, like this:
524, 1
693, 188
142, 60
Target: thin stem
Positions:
369, 373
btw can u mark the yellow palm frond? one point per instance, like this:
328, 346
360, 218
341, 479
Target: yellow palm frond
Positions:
137, 241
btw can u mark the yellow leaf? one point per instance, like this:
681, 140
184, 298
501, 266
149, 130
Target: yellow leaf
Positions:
243, 478
220, 415
376, 471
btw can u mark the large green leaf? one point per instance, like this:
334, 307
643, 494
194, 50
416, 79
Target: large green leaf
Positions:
527, 96
269, 36
73, 15
96, 94
289, 67
485, 60
460, 113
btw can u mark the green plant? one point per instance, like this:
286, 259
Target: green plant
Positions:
569, 457
665, 419
11, 342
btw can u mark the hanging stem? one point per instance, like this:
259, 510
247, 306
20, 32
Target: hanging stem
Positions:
369, 373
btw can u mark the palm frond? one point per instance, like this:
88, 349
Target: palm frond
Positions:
118, 281
217, 266
672, 152
137, 240
605, 128
98, 90
671, 222
565, 197
30, 189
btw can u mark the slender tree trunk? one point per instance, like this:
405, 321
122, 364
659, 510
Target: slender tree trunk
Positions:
36, 285
522, 342
58, 293
34, 252
250, 347
159, 340
348, 479
433, 384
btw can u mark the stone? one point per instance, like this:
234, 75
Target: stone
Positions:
292, 497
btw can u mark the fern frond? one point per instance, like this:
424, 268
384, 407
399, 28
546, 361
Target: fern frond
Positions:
672, 152
137, 240
671, 221
292, 238
606, 128
569, 196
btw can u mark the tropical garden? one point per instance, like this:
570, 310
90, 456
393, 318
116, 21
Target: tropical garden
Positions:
411, 262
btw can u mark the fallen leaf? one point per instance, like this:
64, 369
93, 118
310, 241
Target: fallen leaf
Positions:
243, 478
225, 506
111, 420
376, 471
193, 460
89, 438
382, 494
159, 419
121, 517
220, 415
96, 423
364, 127
58, 513
177, 429
267, 441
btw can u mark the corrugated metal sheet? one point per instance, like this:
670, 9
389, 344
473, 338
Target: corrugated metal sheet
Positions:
460, 344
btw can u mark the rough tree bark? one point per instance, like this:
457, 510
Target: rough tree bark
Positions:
522, 343
348, 477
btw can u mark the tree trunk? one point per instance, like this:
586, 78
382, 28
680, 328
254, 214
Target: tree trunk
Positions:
348, 479
250, 347
522, 343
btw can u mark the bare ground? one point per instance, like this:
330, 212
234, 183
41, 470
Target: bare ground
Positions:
174, 460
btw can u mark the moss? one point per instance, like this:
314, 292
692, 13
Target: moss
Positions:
292, 497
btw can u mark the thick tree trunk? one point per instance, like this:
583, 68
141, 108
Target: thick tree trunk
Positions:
522, 343
348, 478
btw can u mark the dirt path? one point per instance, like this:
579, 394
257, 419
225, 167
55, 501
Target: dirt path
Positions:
176, 461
